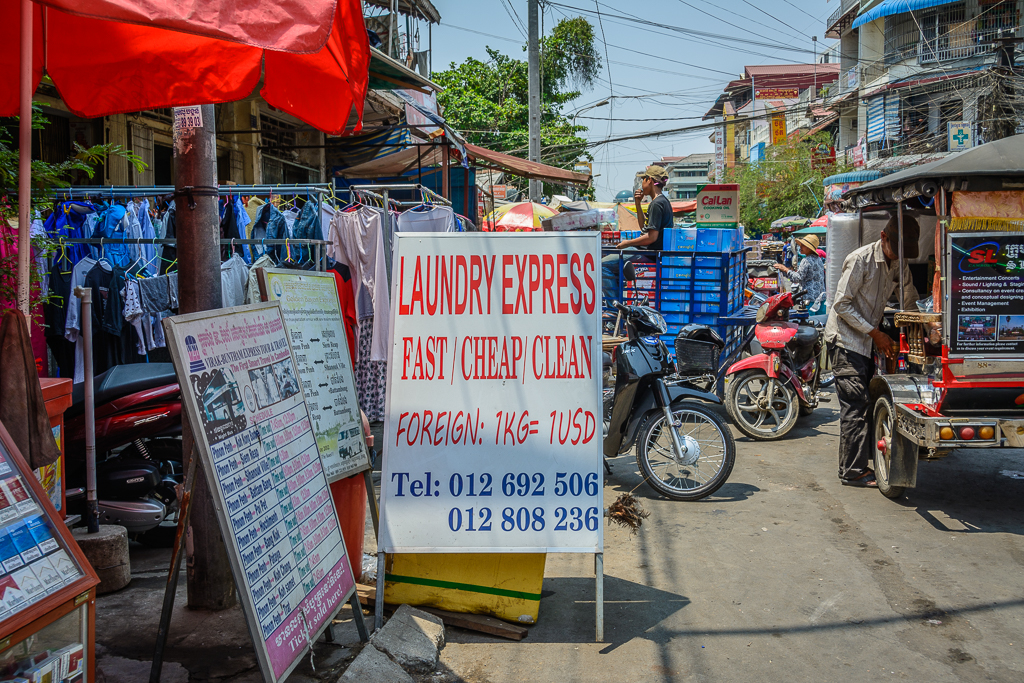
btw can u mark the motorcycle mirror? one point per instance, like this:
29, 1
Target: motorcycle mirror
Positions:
629, 272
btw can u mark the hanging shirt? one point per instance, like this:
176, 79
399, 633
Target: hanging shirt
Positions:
112, 226
234, 275
55, 310
343, 281
433, 219
72, 220
356, 240
252, 287
148, 232
73, 323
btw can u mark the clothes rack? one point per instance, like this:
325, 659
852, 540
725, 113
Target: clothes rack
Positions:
125, 191
320, 253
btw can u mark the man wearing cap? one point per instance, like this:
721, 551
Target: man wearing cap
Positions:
811, 272
658, 219
870, 276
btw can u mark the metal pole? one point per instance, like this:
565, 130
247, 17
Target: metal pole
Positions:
210, 584
25, 162
371, 496
599, 597
357, 616
899, 252
534, 88
92, 509
171, 589
378, 605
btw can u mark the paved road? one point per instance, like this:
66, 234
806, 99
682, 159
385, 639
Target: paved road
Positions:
784, 575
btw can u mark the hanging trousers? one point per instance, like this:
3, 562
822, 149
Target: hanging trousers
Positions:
853, 375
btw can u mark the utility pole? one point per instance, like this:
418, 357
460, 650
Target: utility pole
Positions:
210, 584
534, 72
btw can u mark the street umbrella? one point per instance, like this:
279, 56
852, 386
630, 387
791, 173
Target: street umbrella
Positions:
790, 222
820, 222
113, 56
811, 230
517, 217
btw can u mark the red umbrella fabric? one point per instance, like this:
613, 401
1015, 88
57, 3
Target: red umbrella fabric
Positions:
820, 223
105, 67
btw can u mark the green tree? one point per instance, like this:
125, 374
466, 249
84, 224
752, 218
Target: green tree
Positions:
45, 178
787, 182
489, 101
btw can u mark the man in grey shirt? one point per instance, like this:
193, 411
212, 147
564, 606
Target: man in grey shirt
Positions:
870, 275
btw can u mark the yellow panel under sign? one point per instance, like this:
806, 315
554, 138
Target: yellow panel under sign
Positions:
503, 585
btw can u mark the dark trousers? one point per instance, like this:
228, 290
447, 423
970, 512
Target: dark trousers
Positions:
853, 375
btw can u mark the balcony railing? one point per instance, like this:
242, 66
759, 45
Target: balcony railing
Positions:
836, 22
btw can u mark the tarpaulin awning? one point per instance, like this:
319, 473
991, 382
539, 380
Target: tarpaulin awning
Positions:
393, 165
890, 7
102, 67
523, 168
926, 80
388, 74
852, 177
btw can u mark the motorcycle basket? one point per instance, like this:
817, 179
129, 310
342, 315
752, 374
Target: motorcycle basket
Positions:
695, 357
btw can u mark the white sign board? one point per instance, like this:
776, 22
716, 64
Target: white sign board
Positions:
252, 430
492, 440
961, 136
719, 154
312, 311
186, 118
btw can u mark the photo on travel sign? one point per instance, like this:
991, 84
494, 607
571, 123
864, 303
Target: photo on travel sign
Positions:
987, 293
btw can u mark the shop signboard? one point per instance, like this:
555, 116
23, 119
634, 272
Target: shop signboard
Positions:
492, 440
718, 206
312, 311
960, 135
776, 93
987, 294
778, 129
253, 432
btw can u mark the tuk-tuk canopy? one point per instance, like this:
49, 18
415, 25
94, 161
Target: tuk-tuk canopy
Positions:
995, 165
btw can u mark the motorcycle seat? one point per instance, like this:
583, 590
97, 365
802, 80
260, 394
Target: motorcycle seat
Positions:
122, 380
806, 337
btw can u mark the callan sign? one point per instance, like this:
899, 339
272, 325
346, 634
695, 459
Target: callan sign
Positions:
718, 205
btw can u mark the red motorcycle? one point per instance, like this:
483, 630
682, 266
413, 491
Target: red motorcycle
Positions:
768, 390
138, 449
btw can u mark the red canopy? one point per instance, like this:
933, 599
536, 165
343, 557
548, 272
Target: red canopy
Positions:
105, 67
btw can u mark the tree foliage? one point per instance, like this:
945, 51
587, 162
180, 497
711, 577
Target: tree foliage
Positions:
489, 101
787, 182
45, 178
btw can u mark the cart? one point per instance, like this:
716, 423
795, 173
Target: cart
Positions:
958, 383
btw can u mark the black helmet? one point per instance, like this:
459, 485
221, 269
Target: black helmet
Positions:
701, 333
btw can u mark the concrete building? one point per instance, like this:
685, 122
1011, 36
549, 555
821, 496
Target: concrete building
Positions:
687, 174
907, 75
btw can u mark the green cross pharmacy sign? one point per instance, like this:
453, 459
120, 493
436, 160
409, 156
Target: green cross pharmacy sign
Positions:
961, 136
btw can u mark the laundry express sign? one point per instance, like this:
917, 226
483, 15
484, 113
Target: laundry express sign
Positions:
719, 205
493, 433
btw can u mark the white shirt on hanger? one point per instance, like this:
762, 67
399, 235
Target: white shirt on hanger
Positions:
434, 219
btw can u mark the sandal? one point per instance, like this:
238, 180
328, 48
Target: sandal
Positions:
866, 480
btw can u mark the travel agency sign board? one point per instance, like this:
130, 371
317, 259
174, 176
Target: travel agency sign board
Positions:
492, 441
718, 206
253, 430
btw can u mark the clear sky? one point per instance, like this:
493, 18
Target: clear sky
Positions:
664, 72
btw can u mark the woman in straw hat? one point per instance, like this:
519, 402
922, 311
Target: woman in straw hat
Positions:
811, 272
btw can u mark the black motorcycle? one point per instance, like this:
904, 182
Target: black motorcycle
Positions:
685, 451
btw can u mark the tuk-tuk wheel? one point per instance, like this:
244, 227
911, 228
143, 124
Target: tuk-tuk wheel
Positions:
883, 434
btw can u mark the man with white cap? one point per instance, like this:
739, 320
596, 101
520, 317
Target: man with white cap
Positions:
810, 274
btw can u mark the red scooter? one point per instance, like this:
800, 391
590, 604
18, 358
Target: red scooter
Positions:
138, 449
767, 391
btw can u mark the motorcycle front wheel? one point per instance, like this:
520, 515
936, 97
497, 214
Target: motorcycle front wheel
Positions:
761, 407
707, 441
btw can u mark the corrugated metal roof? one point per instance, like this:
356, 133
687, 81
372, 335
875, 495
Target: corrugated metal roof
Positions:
890, 7
790, 69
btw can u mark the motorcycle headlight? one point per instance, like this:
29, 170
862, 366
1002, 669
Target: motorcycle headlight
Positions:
658, 322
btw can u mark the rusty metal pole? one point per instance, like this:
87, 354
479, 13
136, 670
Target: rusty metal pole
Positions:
210, 584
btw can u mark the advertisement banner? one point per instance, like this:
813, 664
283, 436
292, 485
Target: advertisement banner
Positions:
778, 129
776, 93
493, 434
987, 294
718, 206
253, 433
719, 154
312, 311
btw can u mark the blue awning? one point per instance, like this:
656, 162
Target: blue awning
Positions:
890, 7
853, 177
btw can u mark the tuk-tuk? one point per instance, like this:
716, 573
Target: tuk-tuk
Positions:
958, 382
